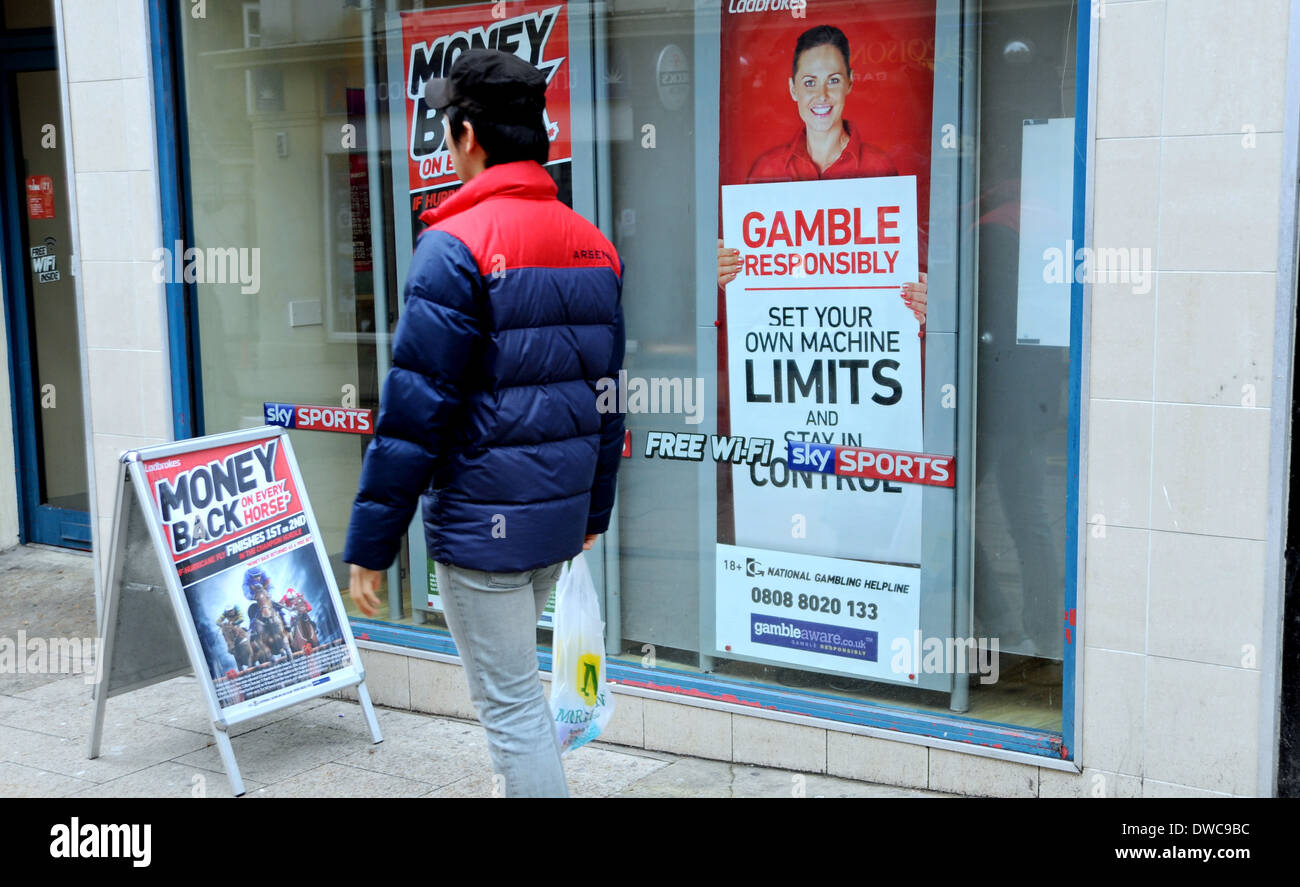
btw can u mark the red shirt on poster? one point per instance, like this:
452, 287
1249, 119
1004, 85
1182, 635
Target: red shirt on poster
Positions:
790, 162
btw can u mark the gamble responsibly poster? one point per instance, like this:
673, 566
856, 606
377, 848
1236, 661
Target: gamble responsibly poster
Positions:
239, 537
824, 174
432, 40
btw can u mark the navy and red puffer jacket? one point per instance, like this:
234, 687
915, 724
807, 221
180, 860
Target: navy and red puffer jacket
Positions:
513, 313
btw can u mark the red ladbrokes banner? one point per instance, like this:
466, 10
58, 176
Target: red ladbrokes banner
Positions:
891, 54
825, 119
432, 39
219, 504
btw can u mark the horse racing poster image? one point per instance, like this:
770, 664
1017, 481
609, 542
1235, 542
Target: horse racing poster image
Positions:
266, 626
266, 617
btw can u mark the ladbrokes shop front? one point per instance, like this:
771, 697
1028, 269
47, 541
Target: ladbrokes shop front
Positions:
916, 316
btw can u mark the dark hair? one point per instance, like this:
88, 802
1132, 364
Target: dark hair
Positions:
503, 142
822, 35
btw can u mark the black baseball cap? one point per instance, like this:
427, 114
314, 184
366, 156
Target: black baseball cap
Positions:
488, 83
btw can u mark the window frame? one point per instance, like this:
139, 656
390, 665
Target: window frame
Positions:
1058, 750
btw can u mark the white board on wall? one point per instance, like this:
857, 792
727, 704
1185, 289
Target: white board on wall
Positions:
1046, 218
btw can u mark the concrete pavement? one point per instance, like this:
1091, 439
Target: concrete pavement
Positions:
157, 741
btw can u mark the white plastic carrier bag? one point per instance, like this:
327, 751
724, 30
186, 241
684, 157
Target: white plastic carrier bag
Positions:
581, 703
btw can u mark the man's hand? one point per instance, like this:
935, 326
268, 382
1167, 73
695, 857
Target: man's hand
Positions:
363, 588
586, 543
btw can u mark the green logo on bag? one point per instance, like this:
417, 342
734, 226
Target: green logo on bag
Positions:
589, 677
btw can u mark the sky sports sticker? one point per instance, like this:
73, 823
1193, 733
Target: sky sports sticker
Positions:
893, 465
814, 637
315, 418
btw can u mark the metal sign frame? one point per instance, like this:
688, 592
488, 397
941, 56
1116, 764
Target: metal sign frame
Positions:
159, 575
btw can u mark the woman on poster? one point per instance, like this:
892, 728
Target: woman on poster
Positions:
828, 146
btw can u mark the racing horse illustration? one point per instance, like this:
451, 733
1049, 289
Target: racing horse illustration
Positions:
236, 637
268, 635
302, 629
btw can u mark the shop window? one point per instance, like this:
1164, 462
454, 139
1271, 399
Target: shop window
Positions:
837, 499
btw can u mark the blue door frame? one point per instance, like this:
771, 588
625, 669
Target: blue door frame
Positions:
177, 224
38, 522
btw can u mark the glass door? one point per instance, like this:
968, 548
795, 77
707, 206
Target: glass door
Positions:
41, 305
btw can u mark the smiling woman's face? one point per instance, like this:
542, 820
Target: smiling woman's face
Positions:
820, 86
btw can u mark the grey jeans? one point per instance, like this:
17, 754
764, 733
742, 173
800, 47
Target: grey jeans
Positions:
493, 620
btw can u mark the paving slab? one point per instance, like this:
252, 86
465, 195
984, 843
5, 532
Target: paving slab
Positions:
335, 780
19, 781
167, 780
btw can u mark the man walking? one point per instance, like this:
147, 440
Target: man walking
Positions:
512, 314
